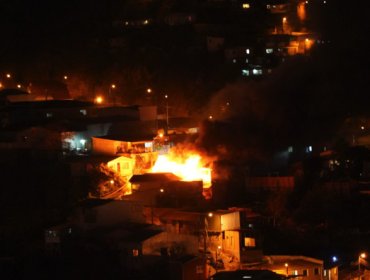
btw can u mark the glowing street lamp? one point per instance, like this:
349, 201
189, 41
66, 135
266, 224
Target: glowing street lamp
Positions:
284, 21
287, 268
166, 97
8, 75
361, 256
65, 77
111, 88
99, 100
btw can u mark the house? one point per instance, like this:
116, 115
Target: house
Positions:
233, 240
124, 166
299, 267
94, 213
187, 267
122, 144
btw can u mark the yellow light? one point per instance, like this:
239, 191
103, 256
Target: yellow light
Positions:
161, 190
362, 255
210, 214
65, 77
286, 265
8, 76
284, 19
148, 90
19, 86
99, 100
113, 86
1, 85
246, 6
111, 182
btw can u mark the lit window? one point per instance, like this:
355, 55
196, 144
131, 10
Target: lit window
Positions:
324, 272
295, 272
49, 115
269, 50
249, 242
245, 72
268, 6
83, 112
257, 72
290, 149
135, 252
148, 144
246, 60
246, 6
247, 51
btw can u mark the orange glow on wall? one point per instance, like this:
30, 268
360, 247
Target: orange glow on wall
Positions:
301, 11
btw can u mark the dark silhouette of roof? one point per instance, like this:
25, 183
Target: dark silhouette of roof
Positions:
154, 177
247, 274
12, 91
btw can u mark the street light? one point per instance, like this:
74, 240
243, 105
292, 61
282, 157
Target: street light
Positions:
166, 97
287, 268
361, 256
111, 88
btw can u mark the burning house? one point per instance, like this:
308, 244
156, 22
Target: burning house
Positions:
165, 189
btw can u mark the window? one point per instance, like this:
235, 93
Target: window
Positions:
249, 242
246, 6
83, 112
269, 50
118, 167
135, 252
247, 51
316, 271
257, 72
245, 72
305, 272
49, 115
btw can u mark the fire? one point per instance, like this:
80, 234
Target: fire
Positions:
188, 167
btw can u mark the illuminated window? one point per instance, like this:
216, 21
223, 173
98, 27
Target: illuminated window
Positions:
249, 242
83, 112
268, 6
247, 51
269, 50
245, 72
257, 71
246, 60
290, 149
49, 115
324, 272
246, 6
295, 272
135, 252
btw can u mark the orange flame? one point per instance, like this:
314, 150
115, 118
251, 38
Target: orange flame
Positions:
188, 167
